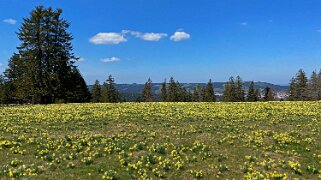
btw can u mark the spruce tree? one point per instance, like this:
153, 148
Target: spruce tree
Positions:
147, 93
109, 92
239, 89
312, 87
163, 90
181, 93
252, 94
209, 95
43, 69
196, 96
78, 91
18, 79
172, 91
96, 92
4, 96
230, 93
298, 87
319, 86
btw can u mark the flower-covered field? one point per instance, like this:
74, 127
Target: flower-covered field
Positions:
273, 140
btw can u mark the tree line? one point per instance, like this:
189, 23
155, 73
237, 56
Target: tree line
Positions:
173, 91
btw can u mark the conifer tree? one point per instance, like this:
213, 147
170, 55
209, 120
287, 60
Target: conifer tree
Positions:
298, 87
96, 92
188, 96
239, 89
4, 91
196, 96
78, 91
209, 95
229, 93
319, 86
181, 93
163, 92
43, 69
147, 93
252, 94
312, 87
109, 92
172, 91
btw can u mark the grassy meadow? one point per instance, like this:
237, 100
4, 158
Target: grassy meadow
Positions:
272, 140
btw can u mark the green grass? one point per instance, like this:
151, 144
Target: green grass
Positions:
272, 140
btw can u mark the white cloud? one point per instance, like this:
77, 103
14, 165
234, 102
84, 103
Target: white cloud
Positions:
112, 59
243, 23
179, 36
108, 38
10, 21
151, 36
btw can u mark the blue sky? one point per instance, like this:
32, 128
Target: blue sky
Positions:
194, 40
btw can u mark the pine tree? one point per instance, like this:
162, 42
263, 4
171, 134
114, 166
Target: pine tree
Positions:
196, 96
239, 89
229, 93
298, 87
96, 92
188, 96
43, 69
319, 86
4, 93
163, 91
17, 79
252, 94
172, 91
109, 92
78, 90
147, 93
268, 94
312, 87
181, 93
209, 95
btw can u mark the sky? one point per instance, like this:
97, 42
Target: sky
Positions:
191, 40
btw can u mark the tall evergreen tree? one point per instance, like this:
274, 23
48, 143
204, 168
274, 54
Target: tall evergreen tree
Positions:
43, 68
181, 93
312, 87
172, 91
96, 92
77, 89
319, 86
268, 94
252, 94
298, 87
163, 90
4, 91
209, 95
197, 94
109, 92
229, 93
147, 93
239, 89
